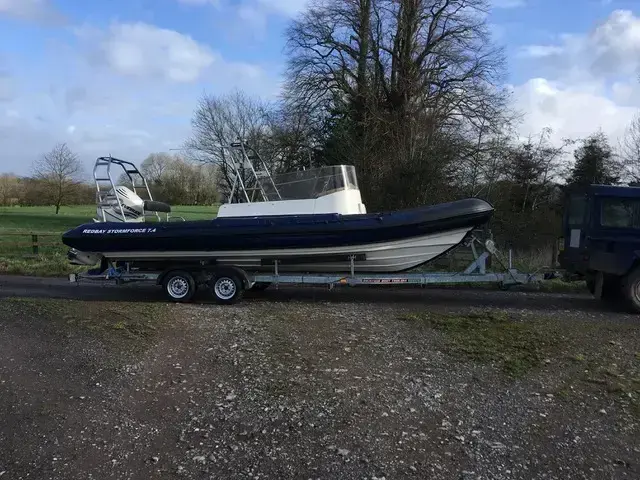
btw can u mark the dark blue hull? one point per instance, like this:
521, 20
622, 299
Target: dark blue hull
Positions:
277, 232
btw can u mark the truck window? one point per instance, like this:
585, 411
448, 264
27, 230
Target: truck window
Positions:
620, 212
577, 205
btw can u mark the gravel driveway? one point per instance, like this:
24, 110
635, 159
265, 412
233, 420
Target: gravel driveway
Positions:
316, 384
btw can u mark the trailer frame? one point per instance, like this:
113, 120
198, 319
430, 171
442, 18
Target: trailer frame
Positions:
228, 282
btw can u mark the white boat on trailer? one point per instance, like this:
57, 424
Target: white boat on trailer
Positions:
307, 227
310, 221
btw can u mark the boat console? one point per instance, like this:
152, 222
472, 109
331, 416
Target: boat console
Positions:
255, 191
329, 189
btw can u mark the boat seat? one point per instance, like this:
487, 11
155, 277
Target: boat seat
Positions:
154, 206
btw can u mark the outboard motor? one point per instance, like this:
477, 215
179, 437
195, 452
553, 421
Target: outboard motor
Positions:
117, 203
120, 205
123, 205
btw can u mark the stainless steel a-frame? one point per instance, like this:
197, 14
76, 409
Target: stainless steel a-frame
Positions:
260, 182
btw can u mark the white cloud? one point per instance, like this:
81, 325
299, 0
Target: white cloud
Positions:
283, 7
6, 87
253, 16
249, 18
125, 90
570, 111
143, 50
508, 3
626, 92
540, 51
611, 48
32, 10
586, 82
286, 7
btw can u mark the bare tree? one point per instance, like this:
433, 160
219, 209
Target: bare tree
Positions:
292, 142
219, 121
180, 181
9, 187
404, 82
330, 75
155, 165
629, 151
60, 172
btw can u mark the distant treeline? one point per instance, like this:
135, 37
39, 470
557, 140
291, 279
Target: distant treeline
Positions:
177, 181
171, 179
29, 191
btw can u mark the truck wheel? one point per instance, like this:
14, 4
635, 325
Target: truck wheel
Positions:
631, 290
227, 288
179, 286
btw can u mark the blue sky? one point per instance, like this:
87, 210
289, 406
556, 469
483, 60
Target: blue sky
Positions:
123, 77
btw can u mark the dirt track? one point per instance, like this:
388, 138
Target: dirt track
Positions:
102, 382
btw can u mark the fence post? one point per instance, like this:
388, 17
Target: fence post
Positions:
34, 243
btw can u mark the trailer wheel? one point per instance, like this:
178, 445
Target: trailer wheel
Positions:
179, 286
227, 288
631, 289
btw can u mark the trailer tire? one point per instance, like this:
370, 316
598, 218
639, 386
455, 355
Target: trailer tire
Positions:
227, 287
179, 286
631, 290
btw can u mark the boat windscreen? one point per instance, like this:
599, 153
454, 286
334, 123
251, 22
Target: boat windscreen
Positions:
314, 182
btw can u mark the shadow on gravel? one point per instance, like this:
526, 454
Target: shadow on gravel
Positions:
442, 297
434, 297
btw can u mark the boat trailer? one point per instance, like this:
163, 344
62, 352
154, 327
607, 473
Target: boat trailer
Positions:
228, 283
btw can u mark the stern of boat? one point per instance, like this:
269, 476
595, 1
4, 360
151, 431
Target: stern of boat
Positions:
87, 259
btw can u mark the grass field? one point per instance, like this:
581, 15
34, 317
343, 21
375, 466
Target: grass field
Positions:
44, 220
19, 224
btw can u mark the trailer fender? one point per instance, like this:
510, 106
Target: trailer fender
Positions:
228, 284
229, 269
198, 275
